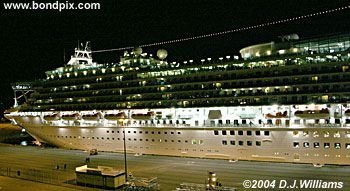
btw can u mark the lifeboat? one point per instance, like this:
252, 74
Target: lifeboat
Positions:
116, 116
71, 117
92, 117
52, 117
347, 112
277, 115
323, 113
145, 116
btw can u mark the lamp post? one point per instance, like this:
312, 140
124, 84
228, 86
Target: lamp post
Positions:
124, 145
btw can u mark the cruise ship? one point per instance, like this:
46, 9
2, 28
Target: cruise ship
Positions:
283, 101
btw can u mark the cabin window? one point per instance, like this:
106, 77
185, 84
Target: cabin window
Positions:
249, 133
216, 132
267, 133
223, 132
258, 143
232, 132
326, 145
306, 144
240, 143
224, 142
347, 145
240, 132
296, 144
316, 145
257, 133
337, 145
232, 142
249, 143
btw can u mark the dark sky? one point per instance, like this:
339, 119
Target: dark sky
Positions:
35, 41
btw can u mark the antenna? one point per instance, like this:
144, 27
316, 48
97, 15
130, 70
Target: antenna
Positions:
64, 55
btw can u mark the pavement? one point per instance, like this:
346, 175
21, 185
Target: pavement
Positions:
15, 184
40, 165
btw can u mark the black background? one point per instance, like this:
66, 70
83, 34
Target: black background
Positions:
34, 41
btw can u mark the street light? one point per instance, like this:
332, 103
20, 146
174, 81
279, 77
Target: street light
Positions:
124, 144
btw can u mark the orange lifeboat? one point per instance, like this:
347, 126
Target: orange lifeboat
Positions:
52, 117
92, 117
71, 117
277, 115
323, 113
144, 116
347, 112
116, 116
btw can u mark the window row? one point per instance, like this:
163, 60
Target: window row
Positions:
240, 132
240, 143
318, 145
146, 132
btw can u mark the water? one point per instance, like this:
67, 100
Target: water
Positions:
12, 134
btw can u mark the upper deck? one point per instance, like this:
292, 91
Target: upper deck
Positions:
314, 70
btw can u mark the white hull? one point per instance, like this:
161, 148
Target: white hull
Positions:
295, 143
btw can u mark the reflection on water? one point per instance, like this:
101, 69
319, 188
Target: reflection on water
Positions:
14, 135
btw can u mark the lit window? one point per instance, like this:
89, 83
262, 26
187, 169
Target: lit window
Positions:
337, 134
326, 134
306, 133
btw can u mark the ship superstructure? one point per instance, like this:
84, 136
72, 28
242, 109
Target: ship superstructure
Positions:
280, 101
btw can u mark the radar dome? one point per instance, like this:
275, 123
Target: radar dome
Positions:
137, 50
162, 54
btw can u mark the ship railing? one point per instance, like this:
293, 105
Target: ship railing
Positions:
97, 124
323, 125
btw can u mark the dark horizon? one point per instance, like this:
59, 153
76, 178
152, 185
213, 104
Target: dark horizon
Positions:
36, 41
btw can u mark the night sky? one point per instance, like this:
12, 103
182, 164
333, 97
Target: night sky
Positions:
33, 42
